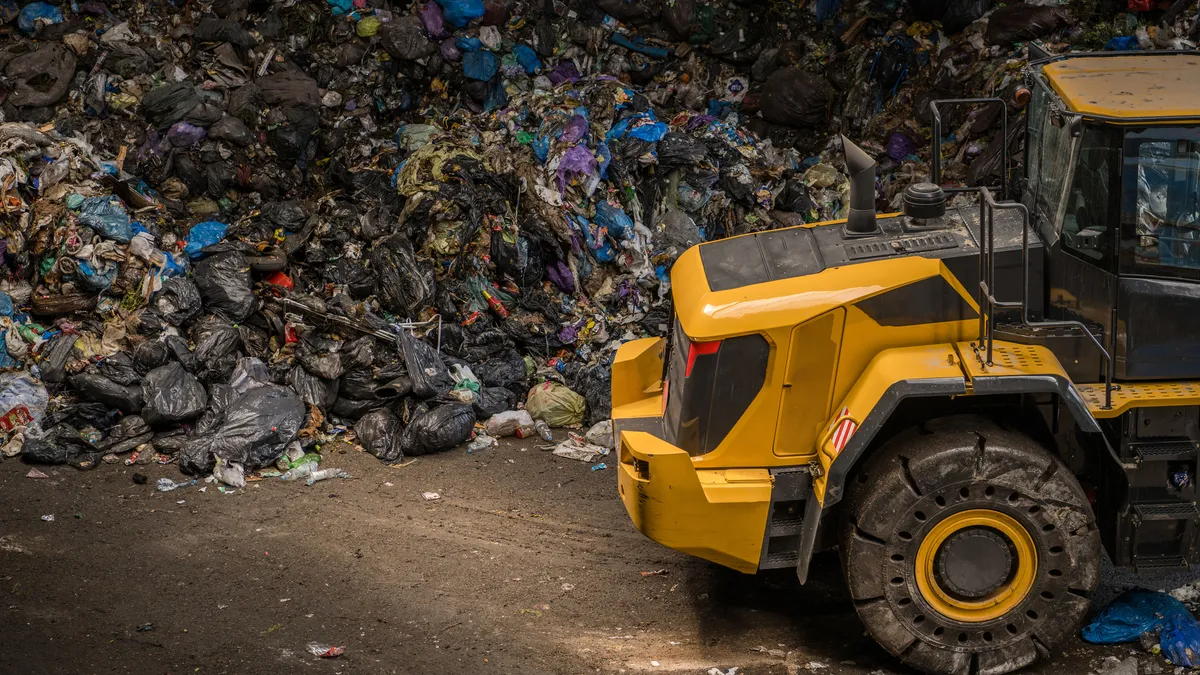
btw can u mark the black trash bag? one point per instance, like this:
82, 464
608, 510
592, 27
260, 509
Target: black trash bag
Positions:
224, 283
794, 198
1021, 23
98, 388
358, 383
673, 233
288, 215
180, 351
630, 11
678, 17
493, 401
894, 62
404, 286
205, 114
60, 444
150, 355
39, 78
231, 130
224, 30
479, 347
379, 433
169, 103
954, 15
404, 38
522, 260
219, 398
795, 98
317, 357
594, 383
506, 370
120, 369
178, 300
256, 429
245, 103
679, 149
129, 433
289, 88
359, 353
172, 395
395, 387
425, 366
740, 44
214, 341
439, 429
352, 408
54, 357
312, 389
249, 373
195, 455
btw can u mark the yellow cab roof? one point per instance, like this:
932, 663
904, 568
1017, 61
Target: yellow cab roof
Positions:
1160, 86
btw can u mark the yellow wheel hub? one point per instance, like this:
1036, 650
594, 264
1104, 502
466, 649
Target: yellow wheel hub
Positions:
996, 602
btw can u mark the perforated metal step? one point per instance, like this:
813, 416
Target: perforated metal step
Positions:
1171, 511
1164, 452
1165, 562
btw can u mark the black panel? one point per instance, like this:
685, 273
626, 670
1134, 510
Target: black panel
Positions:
1159, 323
758, 258
702, 407
741, 368
931, 300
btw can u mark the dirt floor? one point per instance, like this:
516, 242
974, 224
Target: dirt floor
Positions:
526, 564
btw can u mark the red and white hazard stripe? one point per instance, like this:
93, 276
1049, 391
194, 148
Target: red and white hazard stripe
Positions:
845, 429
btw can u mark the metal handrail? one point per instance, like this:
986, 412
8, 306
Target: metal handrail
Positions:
936, 163
988, 302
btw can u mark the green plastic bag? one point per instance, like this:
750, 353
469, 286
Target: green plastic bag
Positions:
555, 404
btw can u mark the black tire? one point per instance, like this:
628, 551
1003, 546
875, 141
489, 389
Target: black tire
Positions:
949, 466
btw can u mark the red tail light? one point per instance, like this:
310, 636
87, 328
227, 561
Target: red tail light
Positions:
699, 349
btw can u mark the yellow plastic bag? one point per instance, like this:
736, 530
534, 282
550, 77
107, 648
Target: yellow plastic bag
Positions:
555, 404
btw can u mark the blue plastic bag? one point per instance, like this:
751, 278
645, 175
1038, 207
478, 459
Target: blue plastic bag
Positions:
1139, 611
107, 215
1122, 43
480, 65
97, 279
459, 13
639, 45
527, 58
203, 235
6, 304
28, 18
614, 218
468, 44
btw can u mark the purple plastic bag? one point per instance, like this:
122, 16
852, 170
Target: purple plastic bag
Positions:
450, 51
900, 146
559, 274
183, 135
433, 20
576, 163
575, 129
563, 72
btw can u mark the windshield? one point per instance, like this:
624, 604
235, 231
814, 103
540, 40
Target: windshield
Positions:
1050, 151
1161, 202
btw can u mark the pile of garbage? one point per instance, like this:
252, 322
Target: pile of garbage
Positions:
233, 231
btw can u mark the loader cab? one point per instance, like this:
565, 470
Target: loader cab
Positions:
1113, 187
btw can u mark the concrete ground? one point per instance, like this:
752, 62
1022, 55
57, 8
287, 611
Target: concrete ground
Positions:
526, 564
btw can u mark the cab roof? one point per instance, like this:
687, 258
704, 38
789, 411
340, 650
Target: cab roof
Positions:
1141, 86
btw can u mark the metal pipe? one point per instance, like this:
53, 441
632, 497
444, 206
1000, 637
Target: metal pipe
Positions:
861, 167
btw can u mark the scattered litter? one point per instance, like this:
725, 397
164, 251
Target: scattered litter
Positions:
324, 651
49, 518
430, 496
1139, 612
34, 473
656, 573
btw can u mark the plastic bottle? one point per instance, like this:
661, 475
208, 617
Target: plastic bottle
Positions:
300, 471
325, 473
166, 484
543, 430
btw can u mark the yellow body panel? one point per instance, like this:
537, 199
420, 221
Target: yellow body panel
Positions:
1136, 86
636, 369
887, 368
718, 515
1129, 395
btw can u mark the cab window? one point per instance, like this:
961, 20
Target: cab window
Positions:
1160, 214
1090, 222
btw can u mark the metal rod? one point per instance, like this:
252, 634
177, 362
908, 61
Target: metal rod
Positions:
983, 290
1111, 371
936, 159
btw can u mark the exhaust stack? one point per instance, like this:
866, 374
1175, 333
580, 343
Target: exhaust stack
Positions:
861, 222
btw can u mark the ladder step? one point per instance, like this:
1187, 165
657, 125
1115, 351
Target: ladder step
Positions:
787, 526
1165, 451
1163, 562
1170, 511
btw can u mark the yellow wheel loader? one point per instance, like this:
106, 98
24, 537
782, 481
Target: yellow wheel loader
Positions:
967, 402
